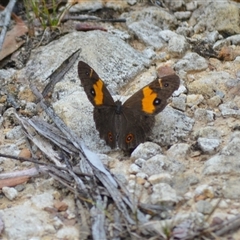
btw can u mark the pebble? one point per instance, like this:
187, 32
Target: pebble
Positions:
133, 169
204, 115
147, 33
204, 190
208, 145
10, 193
146, 150
194, 99
179, 102
161, 177
164, 194
179, 151
191, 62
14, 133
177, 46
204, 207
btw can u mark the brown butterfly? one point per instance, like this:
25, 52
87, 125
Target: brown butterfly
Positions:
126, 125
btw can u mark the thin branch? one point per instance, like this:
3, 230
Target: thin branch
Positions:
7, 13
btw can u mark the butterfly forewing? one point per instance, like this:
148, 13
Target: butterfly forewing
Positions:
94, 87
152, 98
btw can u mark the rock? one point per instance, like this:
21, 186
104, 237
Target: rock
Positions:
231, 189
179, 102
221, 16
154, 165
10, 193
190, 6
166, 35
160, 164
131, 2
15, 133
161, 177
233, 146
208, 145
210, 83
177, 46
25, 153
149, 53
214, 101
179, 151
204, 207
204, 115
183, 15
164, 194
147, 33
47, 58
229, 109
220, 164
134, 169
227, 161
139, 161
60, 206
208, 132
194, 99
205, 191
146, 150
153, 15
170, 126
191, 62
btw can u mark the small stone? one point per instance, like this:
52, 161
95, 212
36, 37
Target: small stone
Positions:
15, 133
204, 115
183, 15
148, 33
231, 189
142, 175
191, 62
139, 162
177, 46
131, 2
163, 193
146, 150
57, 223
204, 190
229, 110
10, 193
133, 169
204, 207
149, 53
194, 99
214, 101
154, 165
190, 6
208, 132
179, 102
166, 35
178, 151
161, 177
208, 145
25, 153
60, 206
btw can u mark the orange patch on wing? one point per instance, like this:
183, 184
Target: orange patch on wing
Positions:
148, 98
98, 86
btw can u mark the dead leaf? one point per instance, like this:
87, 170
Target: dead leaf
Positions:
13, 39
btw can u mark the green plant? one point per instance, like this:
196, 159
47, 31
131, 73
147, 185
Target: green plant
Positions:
43, 10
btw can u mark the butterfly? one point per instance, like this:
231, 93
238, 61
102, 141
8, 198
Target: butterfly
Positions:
129, 124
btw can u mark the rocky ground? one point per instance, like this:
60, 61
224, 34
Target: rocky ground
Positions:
191, 159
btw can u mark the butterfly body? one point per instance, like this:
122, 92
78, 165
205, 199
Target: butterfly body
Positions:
128, 124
